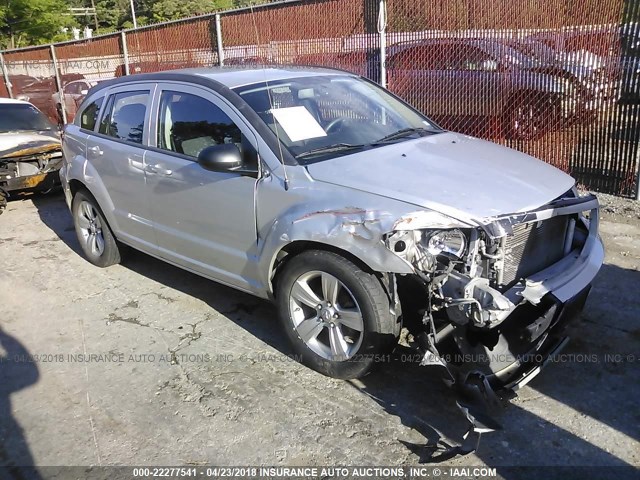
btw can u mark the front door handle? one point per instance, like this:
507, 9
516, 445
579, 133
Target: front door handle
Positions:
158, 169
96, 149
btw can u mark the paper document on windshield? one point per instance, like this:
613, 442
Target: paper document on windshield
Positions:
298, 123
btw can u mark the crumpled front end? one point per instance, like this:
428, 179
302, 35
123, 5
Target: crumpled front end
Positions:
30, 166
496, 295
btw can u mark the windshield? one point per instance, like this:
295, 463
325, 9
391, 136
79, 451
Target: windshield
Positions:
321, 117
21, 116
537, 50
516, 56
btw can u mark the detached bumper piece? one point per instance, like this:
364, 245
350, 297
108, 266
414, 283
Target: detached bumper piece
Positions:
551, 343
482, 395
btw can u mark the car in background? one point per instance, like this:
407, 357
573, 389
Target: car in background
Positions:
73, 94
462, 83
365, 62
30, 150
40, 94
592, 87
20, 82
590, 49
613, 52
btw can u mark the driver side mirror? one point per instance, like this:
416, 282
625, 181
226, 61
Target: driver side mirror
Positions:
221, 158
84, 92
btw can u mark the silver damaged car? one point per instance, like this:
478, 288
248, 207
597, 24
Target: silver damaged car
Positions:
357, 215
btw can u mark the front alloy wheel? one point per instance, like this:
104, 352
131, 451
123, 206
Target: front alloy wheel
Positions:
336, 315
326, 315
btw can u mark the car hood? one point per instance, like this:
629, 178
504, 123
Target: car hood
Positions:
20, 144
460, 176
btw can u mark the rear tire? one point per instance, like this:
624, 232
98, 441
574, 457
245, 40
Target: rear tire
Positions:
3, 200
336, 315
94, 234
524, 119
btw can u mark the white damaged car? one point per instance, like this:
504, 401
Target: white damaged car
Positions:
30, 150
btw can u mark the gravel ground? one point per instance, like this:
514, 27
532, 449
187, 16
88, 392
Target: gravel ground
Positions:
619, 208
145, 364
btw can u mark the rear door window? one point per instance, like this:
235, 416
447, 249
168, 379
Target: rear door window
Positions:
125, 115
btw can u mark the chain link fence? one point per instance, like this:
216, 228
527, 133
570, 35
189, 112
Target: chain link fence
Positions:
558, 79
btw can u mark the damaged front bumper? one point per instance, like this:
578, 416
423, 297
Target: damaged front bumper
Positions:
30, 167
39, 181
483, 319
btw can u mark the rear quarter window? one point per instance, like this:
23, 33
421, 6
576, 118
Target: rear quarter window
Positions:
89, 115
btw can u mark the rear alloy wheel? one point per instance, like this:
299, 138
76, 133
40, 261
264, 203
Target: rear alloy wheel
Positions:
93, 232
336, 315
525, 120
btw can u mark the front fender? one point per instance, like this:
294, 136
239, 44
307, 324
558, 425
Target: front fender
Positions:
357, 230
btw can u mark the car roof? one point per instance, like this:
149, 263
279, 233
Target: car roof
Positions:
233, 77
12, 101
428, 42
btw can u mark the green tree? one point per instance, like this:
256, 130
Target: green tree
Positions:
163, 10
32, 22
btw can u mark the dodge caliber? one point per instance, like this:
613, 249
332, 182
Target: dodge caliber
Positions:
357, 215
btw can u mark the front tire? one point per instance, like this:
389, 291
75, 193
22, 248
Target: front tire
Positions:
96, 239
336, 315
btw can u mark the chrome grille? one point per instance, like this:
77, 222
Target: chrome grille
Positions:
533, 247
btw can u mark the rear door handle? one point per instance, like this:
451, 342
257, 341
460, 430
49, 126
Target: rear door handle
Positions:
96, 149
158, 169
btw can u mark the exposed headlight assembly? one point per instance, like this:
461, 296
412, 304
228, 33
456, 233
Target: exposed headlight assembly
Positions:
450, 242
421, 248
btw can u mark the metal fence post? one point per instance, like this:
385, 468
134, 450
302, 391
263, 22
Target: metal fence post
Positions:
382, 30
5, 74
58, 84
125, 51
219, 40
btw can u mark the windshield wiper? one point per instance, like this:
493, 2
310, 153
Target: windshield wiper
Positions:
337, 147
405, 132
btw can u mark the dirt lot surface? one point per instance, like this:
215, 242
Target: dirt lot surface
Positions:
143, 363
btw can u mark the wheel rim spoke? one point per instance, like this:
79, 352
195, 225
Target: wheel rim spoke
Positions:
302, 292
330, 287
99, 243
83, 222
323, 310
87, 211
351, 318
309, 329
339, 347
91, 243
